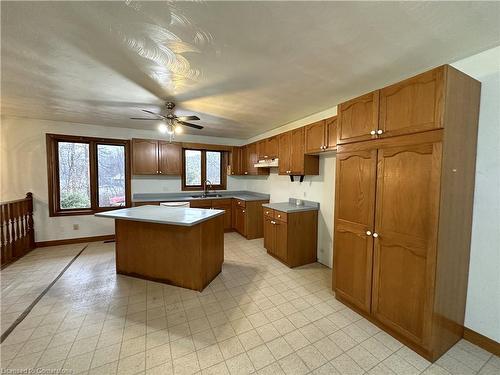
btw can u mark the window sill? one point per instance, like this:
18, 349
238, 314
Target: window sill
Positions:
84, 211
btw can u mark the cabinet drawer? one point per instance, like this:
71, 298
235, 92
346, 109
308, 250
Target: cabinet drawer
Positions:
205, 203
268, 212
240, 203
281, 216
221, 202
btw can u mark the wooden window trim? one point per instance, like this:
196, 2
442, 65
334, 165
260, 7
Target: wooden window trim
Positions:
53, 173
222, 186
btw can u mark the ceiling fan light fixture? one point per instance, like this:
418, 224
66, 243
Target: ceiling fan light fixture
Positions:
178, 129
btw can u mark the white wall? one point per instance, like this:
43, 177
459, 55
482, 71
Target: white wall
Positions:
24, 168
483, 297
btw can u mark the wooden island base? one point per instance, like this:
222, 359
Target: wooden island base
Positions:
186, 256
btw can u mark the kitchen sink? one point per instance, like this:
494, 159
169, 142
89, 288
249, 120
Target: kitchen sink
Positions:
207, 196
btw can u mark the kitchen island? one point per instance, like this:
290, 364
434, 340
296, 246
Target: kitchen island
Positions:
177, 246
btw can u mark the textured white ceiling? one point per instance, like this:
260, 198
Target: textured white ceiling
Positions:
242, 67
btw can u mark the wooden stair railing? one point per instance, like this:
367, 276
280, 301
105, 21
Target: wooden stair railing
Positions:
17, 235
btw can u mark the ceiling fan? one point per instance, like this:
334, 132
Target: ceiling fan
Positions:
173, 122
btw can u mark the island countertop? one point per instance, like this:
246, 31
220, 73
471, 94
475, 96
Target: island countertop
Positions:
163, 215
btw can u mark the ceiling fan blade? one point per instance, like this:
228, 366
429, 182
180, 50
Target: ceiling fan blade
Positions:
154, 114
187, 118
143, 118
190, 125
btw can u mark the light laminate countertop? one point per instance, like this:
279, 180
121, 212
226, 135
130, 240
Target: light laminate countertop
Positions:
182, 216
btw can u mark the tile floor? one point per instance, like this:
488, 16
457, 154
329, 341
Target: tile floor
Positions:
23, 281
257, 316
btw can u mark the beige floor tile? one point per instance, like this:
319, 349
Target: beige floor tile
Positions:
240, 364
279, 348
186, 365
106, 355
260, 356
78, 363
312, 357
250, 339
158, 356
231, 347
346, 365
293, 365
209, 356
218, 369
133, 364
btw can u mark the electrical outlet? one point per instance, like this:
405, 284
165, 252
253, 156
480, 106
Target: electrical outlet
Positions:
76, 226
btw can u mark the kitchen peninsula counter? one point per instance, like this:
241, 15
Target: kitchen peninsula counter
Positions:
178, 246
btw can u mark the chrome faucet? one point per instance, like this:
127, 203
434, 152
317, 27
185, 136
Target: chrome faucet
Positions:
205, 188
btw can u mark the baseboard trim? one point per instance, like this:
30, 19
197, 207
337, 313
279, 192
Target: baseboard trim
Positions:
482, 341
69, 241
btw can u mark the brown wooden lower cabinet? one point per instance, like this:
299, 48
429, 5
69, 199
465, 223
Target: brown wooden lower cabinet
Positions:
226, 205
291, 237
247, 218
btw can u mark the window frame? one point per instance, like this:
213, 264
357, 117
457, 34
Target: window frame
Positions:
52, 141
223, 172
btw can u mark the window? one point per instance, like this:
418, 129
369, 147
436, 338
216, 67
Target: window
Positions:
202, 165
87, 175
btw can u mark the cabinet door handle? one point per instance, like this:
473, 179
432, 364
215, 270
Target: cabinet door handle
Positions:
373, 132
380, 131
368, 233
160, 172
375, 235
243, 211
279, 216
273, 222
267, 212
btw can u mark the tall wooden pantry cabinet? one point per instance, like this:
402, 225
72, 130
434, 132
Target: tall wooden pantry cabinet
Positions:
403, 206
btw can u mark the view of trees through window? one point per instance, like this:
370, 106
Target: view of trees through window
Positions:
74, 176
201, 165
193, 167
111, 175
214, 167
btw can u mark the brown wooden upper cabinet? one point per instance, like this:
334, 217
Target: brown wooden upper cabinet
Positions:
358, 118
413, 105
268, 148
235, 162
292, 158
252, 157
321, 136
284, 151
272, 148
152, 157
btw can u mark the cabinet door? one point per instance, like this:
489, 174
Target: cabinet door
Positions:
354, 217
413, 105
144, 156
240, 221
262, 150
284, 150
406, 221
357, 118
315, 137
235, 161
170, 158
269, 235
227, 213
331, 133
252, 158
281, 245
272, 147
244, 160
297, 151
